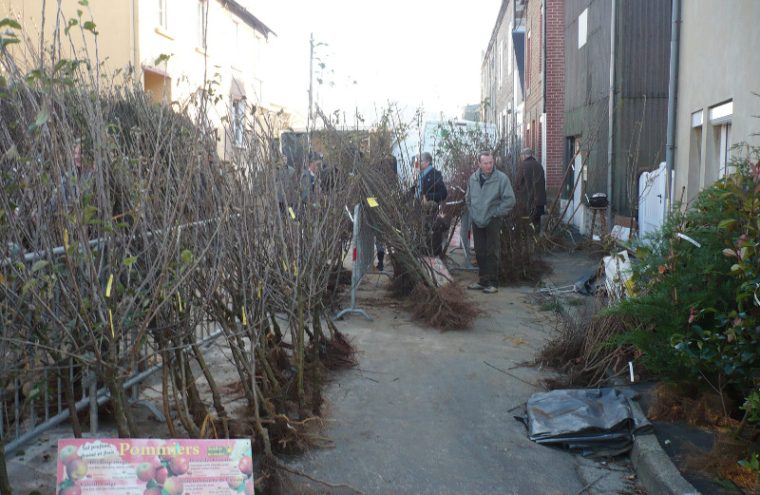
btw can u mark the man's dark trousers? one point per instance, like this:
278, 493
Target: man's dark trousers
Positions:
487, 251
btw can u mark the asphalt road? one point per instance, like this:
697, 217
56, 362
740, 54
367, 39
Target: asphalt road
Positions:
428, 412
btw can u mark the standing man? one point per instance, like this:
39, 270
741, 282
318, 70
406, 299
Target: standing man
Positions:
431, 191
429, 186
309, 179
489, 199
388, 172
531, 186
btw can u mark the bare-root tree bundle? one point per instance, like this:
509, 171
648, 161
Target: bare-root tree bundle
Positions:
128, 245
285, 240
405, 225
96, 180
520, 255
585, 347
458, 152
457, 156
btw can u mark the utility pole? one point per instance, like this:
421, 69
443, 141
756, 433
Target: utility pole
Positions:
311, 92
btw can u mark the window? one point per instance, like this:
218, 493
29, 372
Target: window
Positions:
236, 35
202, 16
720, 119
527, 133
582, 28
501, 63
163, 15
723, 140
567, 186
504, 123
540, 40
510, 49
527, 61
695, 153
238, 122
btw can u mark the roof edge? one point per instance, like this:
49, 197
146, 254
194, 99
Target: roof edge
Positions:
245, 15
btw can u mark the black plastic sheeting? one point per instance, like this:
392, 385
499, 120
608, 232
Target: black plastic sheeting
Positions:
595, 422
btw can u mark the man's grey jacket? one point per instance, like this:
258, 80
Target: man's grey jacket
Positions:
494, 198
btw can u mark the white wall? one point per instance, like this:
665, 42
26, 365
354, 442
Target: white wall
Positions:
719, 62
234, 52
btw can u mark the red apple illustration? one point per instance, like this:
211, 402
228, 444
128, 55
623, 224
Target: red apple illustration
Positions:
234, 482
161, 475
248, 487
179, 465
246, 465
67, 454
173, 486
145, 471
76, 469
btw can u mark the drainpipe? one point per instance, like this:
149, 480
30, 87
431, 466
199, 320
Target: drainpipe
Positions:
672, 95
543, 56
611, 110
135, 40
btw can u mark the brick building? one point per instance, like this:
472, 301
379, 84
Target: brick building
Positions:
543, 128
503, 77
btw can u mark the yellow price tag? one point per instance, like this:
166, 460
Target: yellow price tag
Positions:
66, 239
261, 289
292, 213
245, 318
110, 320
295, 269
108, 286
372, 202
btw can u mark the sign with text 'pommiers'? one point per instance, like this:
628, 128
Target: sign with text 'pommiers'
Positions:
122, 466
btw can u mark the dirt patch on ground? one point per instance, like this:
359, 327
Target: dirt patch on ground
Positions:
686, 414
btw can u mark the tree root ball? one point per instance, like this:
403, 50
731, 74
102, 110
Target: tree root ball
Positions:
445, 308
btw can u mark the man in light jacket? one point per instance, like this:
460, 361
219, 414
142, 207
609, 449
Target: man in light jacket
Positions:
489, 199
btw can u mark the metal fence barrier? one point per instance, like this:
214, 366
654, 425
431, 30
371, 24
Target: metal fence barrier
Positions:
363, 252
463, 242
33, 404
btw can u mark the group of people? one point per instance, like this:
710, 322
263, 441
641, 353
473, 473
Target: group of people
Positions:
489, 199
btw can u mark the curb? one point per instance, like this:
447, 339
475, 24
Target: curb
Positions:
655, 470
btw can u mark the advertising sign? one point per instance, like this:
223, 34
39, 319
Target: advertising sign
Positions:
121, 466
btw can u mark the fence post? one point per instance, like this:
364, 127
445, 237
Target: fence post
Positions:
363, 253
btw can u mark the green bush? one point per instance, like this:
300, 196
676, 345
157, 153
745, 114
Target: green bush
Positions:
696, 309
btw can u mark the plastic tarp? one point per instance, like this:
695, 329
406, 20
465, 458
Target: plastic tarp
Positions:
596, 422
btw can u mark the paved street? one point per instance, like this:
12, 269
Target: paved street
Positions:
424, 414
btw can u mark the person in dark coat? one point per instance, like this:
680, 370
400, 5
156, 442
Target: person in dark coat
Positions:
429, 185
430, 190
310, 179
531, 187
389, 169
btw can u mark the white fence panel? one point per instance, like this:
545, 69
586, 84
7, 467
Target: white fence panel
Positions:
652, 200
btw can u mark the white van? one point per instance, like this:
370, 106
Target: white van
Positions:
428, 138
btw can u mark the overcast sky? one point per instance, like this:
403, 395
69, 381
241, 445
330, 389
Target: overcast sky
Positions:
417, 53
